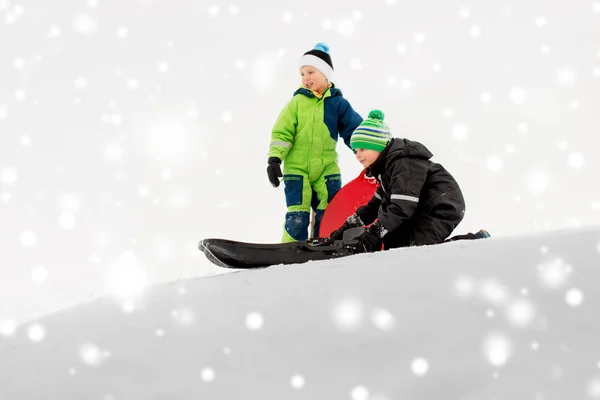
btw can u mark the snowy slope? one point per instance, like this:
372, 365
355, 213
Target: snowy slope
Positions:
503, 318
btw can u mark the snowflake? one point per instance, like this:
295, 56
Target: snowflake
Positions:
497, 349
419, 366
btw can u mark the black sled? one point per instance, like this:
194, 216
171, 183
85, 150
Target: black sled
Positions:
241, 255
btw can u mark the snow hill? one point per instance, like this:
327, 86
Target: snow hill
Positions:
502, 318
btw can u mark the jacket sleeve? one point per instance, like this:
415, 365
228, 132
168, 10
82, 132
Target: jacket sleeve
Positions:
408, 177
284, 130
368, 212
348, 122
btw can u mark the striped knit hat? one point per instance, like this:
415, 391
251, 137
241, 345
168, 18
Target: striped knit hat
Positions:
320, 59
372, 134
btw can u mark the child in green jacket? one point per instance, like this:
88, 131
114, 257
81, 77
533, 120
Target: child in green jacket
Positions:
304, 138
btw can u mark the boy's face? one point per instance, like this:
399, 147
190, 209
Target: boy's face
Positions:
366, 156
313, 79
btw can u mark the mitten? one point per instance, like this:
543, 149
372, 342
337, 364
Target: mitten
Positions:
274, 171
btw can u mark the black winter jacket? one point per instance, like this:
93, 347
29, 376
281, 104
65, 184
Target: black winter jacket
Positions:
411, 185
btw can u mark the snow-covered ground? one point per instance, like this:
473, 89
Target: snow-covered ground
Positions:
508, 318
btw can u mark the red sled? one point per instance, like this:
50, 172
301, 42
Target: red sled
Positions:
354, 194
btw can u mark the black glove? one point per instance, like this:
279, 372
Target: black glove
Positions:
274, 171
371, 239
351, 222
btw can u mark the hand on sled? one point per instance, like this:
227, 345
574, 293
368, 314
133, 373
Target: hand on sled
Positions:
351, 222
368, 242
371, 239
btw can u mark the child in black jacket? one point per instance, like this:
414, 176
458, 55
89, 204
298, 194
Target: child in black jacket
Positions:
417, 203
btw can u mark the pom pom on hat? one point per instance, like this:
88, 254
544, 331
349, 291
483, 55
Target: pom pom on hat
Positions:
320, 59
372, 133
322, 46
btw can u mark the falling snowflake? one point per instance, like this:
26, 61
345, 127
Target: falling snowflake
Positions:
541, 22
36, 333
346, 27
19, 64
419, 37
162, 66
84, 24
80, 82
28, 239
497, 349
207, 374
464, 12
554, 273
91, 355
495, 163
132, 84
565, 77
460, 132
184, 315
593, 386
359, 393
227, 116
213, 11
347, 314
419, 366
297, 381
233, 9
492, 291
122, 32
401, 48
574, 297
464, 286
240, 63
254, 321
287, 17
475, 31
520, 313
9, 176
8, 327
486, 97
20, 95
517, 95
538, 182
382, 319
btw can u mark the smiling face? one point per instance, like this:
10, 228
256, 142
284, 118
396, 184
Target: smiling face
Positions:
366, 156
313, 79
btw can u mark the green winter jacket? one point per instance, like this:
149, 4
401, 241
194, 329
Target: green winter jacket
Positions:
306, 132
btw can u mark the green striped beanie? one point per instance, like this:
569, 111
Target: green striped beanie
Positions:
372, 134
